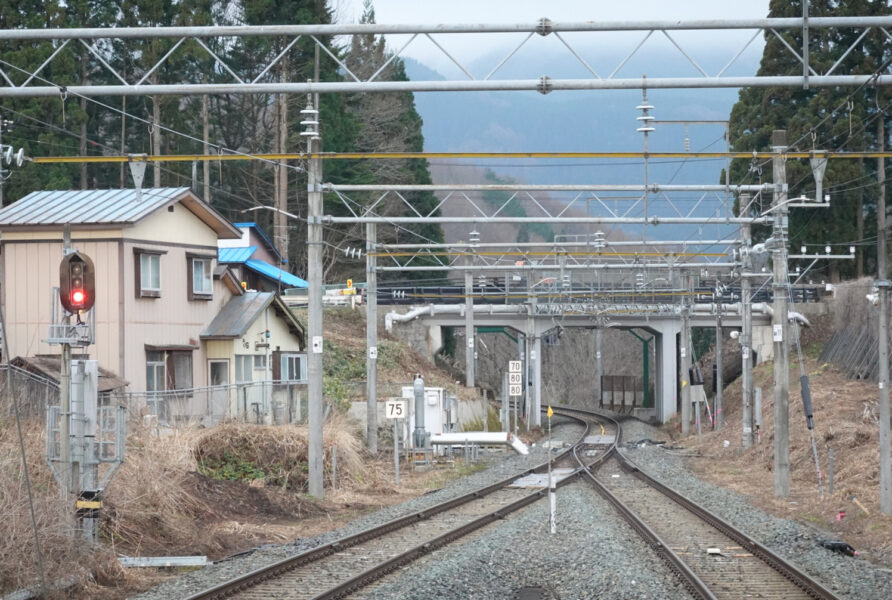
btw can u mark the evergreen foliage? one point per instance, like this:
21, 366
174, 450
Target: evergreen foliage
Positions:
819, 119
69, 125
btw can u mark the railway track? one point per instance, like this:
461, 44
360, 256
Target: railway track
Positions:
714, 560
342, 567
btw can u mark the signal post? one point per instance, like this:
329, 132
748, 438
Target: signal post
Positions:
75, 463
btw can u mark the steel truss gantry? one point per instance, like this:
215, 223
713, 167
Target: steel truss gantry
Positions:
262, 81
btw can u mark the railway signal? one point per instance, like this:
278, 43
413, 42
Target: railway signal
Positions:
77, 282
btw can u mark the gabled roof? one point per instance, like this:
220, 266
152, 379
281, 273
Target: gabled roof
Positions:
108, 207
236, 317
235, 255
264, 238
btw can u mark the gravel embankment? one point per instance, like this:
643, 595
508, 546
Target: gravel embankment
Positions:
847, 577
593, 554
501, 467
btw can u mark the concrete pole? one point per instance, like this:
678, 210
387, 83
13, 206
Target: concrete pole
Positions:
314, 318
64, 390
506, 414
718, 367
883, 286
535, 417
685, 353
746, 336
599, 364
469, 329
779, 321
371, 338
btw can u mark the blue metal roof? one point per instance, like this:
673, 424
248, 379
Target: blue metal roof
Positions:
88, 206
275, 274
235, 255
265, 238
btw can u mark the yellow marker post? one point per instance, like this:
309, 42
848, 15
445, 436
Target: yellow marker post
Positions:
552, 504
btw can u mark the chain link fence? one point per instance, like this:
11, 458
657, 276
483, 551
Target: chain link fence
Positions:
261, 402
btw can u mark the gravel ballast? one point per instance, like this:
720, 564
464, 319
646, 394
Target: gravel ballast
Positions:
502, 466
593, 554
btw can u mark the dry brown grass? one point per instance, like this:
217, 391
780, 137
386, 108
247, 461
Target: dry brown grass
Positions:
846, 420
63, 553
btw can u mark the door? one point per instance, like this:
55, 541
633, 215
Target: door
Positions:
218, 379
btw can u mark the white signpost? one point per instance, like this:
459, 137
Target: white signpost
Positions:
515, 385
396, 409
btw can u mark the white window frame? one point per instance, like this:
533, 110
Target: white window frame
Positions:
147, 259
287, 364
241, 372
206, 280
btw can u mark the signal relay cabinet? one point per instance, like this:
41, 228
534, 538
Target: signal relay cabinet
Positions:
440, 412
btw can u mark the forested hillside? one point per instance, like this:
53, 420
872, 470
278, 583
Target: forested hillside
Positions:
69, 125
832, 119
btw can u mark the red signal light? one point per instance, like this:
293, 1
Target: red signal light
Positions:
78, 297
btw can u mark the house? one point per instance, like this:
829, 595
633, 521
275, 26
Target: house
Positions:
161, 297
256, 338
254, 259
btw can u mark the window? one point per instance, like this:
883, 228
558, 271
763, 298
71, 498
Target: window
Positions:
155, 371
294, 367
260, 362
200, 274
147, 273
243, 367
180, 366
168, 370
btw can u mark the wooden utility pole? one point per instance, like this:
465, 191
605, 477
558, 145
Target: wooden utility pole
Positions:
205, 135
156, 138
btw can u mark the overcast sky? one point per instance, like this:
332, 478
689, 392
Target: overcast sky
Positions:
530, 11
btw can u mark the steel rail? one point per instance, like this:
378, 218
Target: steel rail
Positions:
378, 571
272, 571
691, 581
785, 568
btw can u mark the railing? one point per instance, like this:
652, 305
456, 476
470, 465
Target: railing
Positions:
270, 402
33, 393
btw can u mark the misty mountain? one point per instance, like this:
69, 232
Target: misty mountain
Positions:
603, 120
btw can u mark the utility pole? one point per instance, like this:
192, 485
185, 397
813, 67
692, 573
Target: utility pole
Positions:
68, 482
469, 328
883, 350
746, 335
314, 313
718, 363
371, 338
599, 365
685, 367
779, 323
